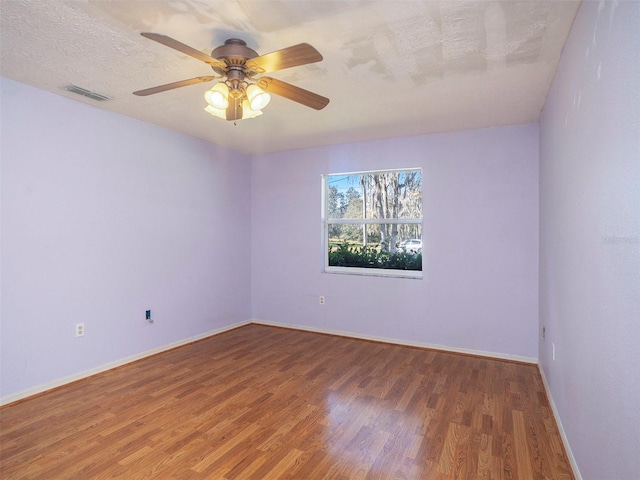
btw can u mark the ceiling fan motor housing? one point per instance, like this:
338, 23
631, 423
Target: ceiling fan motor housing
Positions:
234, 53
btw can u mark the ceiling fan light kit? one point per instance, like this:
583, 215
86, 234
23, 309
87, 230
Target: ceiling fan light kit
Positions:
251, 99
241, 109
240, 94
258, 98
218, 96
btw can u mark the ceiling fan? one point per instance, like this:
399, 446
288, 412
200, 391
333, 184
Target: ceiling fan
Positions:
239, 94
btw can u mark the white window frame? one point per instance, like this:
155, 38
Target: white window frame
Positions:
375, 272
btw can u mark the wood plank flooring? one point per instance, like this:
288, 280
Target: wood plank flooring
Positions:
269, 403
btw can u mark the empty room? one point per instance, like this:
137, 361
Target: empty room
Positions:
387, 239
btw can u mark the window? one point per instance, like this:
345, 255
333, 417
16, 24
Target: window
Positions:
372, 222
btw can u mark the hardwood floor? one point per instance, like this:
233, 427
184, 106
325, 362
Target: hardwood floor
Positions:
268, 403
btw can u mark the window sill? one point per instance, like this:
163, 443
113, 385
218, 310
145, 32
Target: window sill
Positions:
375, 272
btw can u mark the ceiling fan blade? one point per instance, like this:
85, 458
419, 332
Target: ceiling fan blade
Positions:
300, 54
181, 47
297, 94
171, 86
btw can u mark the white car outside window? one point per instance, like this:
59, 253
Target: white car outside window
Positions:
412, 245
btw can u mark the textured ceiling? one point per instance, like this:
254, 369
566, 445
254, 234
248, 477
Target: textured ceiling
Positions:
391, 68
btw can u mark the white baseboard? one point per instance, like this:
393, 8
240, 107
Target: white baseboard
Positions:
103, 368
408, 343
563, 435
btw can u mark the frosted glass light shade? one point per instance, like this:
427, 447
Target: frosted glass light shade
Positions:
218, 96
258, 98
216, 112
248, 112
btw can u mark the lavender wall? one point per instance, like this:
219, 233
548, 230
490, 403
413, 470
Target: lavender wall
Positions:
480, 286
104, 217
590, 239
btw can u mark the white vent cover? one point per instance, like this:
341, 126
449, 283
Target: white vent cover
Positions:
87, 93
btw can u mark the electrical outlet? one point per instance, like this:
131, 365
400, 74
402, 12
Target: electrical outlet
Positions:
321, 299
553, 352
79, 329
544, 332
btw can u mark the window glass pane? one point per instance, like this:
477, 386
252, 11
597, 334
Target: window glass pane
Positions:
344, 196
393, 194
353, 245
352, 235
376, 195
398, 237
387, 237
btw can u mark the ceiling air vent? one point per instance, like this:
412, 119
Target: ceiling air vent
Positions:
87, 93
